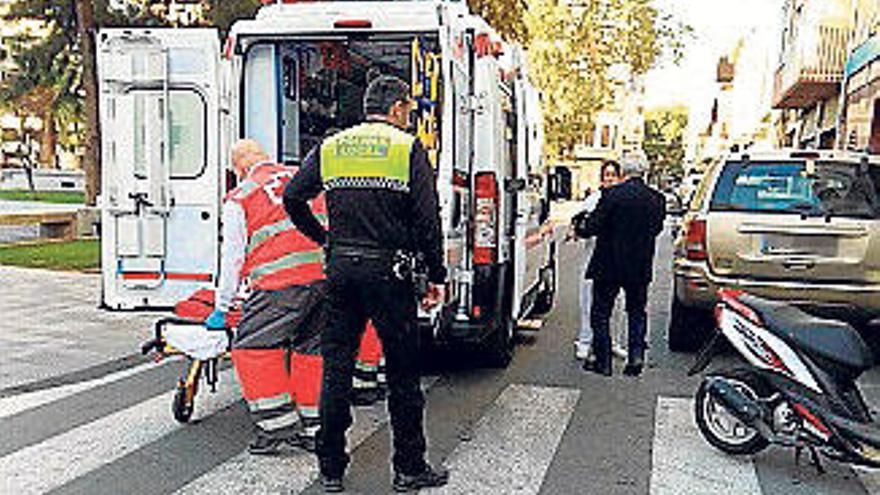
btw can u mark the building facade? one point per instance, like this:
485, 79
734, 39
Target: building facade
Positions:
860, 121
826, 83
618, 129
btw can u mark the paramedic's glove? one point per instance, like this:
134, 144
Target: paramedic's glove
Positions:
216, 320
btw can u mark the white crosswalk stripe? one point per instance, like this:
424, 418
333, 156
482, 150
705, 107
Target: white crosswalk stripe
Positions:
18, 403
870, 479
509, 451
246, 473
62, 458
683, 463
513, 444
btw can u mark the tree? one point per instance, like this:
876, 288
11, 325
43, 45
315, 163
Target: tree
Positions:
56, 80
571, 47
44, 88
506, 17
92, 143
222, 13
665, 129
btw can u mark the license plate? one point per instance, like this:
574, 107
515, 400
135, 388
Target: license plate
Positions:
798, 245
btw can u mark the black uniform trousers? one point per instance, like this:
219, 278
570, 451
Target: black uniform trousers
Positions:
604, 293
362, 288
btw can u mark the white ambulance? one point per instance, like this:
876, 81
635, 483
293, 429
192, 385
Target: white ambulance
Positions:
172, 101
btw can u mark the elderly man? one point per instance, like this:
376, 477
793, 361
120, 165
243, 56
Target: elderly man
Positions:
282, 269
626, 222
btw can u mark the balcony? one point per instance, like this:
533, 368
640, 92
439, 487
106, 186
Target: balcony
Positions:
812, 67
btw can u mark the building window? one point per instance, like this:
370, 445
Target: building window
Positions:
606, 136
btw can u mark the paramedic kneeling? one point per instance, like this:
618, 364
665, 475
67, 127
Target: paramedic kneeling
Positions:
282, 270
382, 203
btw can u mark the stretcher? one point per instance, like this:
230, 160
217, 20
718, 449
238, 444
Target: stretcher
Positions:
184, 334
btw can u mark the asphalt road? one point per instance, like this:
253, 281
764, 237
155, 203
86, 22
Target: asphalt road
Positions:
540, 426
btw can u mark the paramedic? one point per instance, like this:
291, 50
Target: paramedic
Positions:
282, 269
382, 203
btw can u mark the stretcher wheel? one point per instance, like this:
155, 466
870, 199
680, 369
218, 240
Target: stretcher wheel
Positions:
185, 395
182, 406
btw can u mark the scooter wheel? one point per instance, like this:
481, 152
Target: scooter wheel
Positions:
723, 430
182, 406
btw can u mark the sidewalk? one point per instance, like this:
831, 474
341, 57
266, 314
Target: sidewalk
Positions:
51, 325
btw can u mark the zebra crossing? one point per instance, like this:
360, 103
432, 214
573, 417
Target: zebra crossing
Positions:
139, 448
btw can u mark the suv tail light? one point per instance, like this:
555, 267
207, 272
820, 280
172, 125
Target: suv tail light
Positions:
485, 218
695, 240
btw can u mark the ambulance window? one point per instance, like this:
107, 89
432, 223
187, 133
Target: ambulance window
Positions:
462, 119
186, 131
323, 86
187, 134
139, 103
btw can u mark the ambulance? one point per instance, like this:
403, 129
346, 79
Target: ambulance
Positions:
172, 101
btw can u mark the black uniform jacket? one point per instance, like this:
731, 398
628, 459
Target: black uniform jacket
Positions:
375, 218
626, 222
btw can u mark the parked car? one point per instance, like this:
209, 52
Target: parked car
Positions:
795, 225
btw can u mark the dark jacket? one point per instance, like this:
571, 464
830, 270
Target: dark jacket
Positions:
378, 218
625, 223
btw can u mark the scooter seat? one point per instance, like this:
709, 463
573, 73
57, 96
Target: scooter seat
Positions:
829, 340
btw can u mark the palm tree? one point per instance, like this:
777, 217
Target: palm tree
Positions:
57, 80
45, 86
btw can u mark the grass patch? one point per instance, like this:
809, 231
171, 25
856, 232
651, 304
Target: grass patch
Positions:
62, 197
70, 255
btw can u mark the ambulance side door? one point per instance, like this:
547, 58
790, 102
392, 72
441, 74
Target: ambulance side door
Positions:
161, 187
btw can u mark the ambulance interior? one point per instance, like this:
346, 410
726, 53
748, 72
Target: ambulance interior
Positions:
319, 87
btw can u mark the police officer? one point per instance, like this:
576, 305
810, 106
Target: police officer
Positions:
382, 206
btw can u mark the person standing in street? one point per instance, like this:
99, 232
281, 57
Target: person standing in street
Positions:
282, 270
609, 176
383, 212
626, 222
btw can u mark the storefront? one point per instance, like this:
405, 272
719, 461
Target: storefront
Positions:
862, 89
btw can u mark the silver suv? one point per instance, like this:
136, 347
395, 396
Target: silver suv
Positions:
787, 224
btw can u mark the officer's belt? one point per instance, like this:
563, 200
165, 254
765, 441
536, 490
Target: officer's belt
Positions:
364, 252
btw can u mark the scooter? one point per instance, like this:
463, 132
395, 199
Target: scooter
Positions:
799, 388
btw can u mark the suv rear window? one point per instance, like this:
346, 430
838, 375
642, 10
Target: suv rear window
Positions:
834, 188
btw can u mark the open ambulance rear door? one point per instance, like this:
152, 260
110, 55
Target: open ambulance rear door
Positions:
160, 155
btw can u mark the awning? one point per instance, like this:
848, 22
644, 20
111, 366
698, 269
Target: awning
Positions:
863, 55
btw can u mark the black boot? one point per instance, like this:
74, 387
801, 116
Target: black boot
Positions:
428, 478
265, 445
634, 366
594, 366
302, 441
367, 396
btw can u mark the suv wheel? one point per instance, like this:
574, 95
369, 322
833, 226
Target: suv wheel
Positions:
687, 327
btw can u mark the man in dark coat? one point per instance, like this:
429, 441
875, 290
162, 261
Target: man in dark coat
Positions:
626, 222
